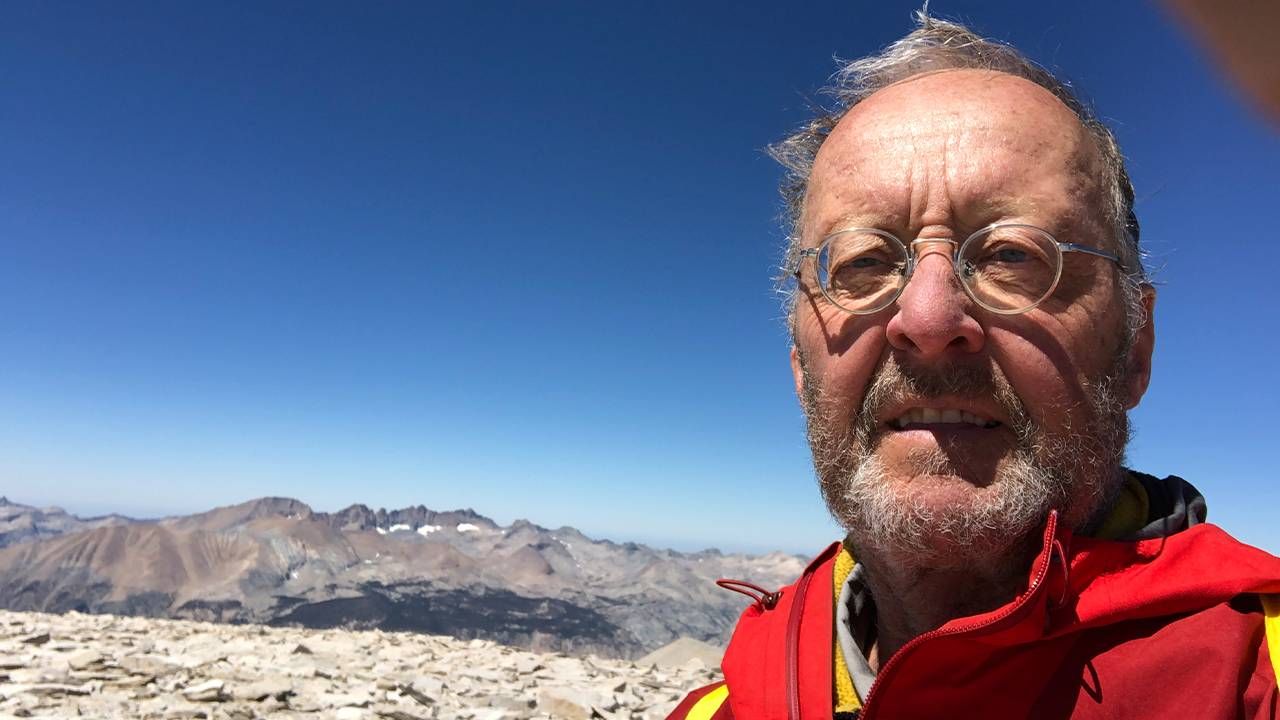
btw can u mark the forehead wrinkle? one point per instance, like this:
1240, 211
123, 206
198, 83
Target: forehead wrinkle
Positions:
976, 183
861, 200
927, 199
859, 182
956, 148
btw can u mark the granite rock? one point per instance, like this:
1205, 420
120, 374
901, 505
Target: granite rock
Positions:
105, 666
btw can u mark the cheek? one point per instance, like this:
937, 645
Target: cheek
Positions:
1042, 372
1090, 323
842, 363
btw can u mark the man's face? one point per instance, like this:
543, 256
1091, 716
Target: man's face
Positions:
891, 398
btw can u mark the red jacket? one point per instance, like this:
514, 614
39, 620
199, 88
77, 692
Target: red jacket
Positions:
1167, 627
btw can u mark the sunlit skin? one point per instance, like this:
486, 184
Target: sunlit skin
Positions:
939, 156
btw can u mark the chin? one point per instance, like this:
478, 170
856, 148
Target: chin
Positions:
942, 519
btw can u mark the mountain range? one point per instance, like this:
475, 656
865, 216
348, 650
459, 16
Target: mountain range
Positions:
276, 561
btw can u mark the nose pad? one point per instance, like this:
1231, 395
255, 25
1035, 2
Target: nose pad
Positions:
945, 252
924, 247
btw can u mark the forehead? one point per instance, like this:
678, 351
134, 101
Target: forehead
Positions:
942, 147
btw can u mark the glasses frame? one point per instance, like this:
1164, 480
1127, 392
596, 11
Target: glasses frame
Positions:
958, 249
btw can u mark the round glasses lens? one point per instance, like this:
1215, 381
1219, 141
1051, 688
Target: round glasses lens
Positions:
1010, 267
861, 270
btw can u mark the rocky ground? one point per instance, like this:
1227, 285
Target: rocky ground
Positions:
103, 666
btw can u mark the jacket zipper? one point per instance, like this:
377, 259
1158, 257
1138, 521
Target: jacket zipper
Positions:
1037, 583
793, 647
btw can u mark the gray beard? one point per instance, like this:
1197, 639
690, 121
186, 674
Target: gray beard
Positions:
1077, 472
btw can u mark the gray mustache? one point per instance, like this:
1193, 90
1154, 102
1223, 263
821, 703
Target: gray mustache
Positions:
895, 382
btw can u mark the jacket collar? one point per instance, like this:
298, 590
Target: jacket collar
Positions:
1074, 583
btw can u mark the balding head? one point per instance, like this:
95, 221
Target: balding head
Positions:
937, 46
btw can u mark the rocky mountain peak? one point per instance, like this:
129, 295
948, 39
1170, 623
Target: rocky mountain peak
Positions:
353, 517
415, 518
277, 506
20, 523
230, 516
273, 560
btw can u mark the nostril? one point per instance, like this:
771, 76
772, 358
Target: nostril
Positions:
903, 342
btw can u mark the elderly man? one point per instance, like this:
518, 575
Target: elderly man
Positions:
971, 322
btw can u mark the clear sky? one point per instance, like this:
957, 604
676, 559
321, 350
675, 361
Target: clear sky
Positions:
518, 256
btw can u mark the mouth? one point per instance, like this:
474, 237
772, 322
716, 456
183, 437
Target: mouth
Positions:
941, 418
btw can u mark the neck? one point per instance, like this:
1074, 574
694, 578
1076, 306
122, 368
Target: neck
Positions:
912, 600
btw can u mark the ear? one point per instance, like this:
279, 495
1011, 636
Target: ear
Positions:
797, 371
1144, 343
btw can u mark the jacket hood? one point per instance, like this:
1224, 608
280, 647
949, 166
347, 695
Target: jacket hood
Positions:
1171, 561
1107, 582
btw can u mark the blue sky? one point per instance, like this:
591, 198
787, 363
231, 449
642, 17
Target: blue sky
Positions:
518, 256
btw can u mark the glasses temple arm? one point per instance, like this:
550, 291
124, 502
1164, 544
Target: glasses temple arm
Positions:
793, 265
1072, 247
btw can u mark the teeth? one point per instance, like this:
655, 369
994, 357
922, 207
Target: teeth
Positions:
933, 416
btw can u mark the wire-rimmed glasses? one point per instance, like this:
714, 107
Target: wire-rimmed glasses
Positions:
1007, 268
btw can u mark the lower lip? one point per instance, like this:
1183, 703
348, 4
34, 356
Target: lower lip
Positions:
949, 429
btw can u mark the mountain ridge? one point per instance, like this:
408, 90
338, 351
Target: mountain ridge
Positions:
276, 560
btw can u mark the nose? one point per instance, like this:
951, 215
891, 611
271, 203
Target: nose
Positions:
934, 317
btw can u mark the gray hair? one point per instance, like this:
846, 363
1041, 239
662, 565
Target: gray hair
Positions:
941, 45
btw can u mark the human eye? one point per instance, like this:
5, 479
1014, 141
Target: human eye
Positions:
854, 271
1009, 255
1009, 266
862, 262
860, 265
859, 268
1008, 247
